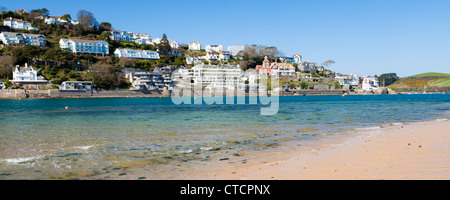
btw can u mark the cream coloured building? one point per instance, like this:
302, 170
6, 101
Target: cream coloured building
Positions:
96, 47
138, 54
212, 76
195, 46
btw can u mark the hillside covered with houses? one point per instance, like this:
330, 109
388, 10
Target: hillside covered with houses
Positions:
37, 47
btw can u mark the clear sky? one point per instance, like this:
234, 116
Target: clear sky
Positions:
363, 36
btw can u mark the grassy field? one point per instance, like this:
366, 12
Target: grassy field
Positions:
430, 82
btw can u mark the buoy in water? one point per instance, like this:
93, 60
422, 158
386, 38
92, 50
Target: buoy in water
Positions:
20, 98
67, 107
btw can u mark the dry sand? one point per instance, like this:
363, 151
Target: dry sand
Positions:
406, 151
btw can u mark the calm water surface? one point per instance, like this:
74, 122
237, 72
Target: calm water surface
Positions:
40, 139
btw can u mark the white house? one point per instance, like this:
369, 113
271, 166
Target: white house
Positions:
190, 60
351, 80
235, 49
370, 83
174, 44
282, 69
310, 67
125, 36
34, 39
76, 86
141, 35
167, 75
147, 80
297, 58
224, 55
156, 41
211, 56
138, 54
27, 75
195, 45
10, 38
55, 19
213, 47
18, 24
143, 41
227, 76
142, 38
122, 36
97, 47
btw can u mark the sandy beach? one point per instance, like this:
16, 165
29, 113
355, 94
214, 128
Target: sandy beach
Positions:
418, 150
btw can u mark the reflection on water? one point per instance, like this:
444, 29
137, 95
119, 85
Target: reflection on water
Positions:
40, 139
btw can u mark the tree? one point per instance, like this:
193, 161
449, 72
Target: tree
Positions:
179, 61
66, 17
254, 54
2, 9
105, 26
388, 79
43, 12
87, 19
25, 54
243, 64
164, 46
328, 63
250, 55
106, 76
6, 67
127, 62
106, 36
268, 51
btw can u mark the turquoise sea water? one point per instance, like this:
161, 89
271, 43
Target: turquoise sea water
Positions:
40, 139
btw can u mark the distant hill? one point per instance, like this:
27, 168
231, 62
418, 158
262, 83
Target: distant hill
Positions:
430, 82
430, 74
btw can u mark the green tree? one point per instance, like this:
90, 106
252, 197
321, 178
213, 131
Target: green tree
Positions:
25, 54
2, 9
105, 26
6, 67
66, 17
387, 79
43, 12
106, 36
106, 76
179, 61
164, 46
304, 85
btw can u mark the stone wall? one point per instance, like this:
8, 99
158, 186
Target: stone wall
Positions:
12, 94
314, 92
54, 93
103, 94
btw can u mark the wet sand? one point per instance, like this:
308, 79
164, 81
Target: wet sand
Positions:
403, 151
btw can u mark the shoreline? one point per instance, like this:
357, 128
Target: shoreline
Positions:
401, 151
58, 94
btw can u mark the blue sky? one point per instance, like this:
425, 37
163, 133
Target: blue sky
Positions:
363, 37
